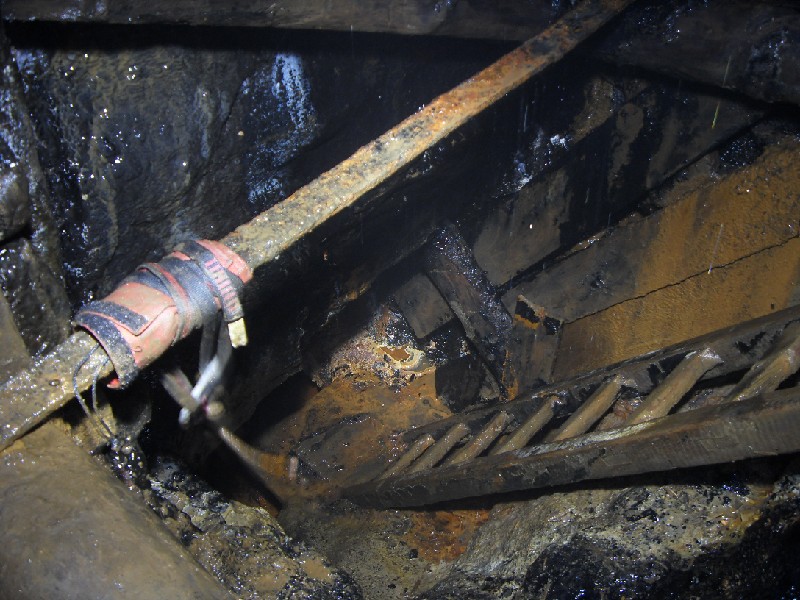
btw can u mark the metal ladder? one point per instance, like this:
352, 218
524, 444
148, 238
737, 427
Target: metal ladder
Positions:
489, 451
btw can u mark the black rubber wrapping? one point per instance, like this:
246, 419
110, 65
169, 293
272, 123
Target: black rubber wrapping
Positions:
133, 321
116, 347
228, 297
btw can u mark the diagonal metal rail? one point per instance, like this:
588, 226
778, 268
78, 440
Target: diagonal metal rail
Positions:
30, 396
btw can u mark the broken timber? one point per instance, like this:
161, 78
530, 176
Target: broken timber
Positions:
30, 396
750, 420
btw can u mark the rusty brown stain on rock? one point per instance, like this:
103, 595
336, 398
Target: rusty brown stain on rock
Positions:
398, 353
443, 535
377, 411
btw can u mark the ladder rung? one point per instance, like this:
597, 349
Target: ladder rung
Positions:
590, 411
437, 452
768, 373
481, 441
675, 386
419, 446
529, 428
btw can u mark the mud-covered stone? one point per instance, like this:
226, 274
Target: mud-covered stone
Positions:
35, 294
15, 211
243, 546
652, 540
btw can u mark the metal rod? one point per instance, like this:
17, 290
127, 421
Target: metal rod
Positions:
30, 396
766, 425
416, 449
532, 425
481, 441
675, 386
590, 411
768, 373
438, 451
274, 231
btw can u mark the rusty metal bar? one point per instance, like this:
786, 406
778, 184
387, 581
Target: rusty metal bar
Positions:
277, 229
675, 386
439, 450
590, 411
529, 428
768, 373
30, 395
481, 441
766, 425
416, 449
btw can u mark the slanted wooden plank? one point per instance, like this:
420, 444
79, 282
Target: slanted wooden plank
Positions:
613, 164
486, 323
754, 286
750, 47
531, 346
711, 227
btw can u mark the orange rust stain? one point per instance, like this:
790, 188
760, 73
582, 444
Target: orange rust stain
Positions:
382, 412
442, 536
397, 353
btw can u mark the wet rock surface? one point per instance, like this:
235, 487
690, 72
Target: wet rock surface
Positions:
152, 136
30, 258
243, 546
15, 212
35, 294
653, 540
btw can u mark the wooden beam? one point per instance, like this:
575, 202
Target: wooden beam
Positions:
766, 425
749, 47
503, 20
711, 227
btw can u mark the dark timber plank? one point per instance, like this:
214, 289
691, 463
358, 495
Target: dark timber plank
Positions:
766, 425
503, 19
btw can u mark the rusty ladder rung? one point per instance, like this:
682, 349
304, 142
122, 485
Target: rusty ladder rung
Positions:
532, 425
433, 455
416, 449
588, 413
482, 440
